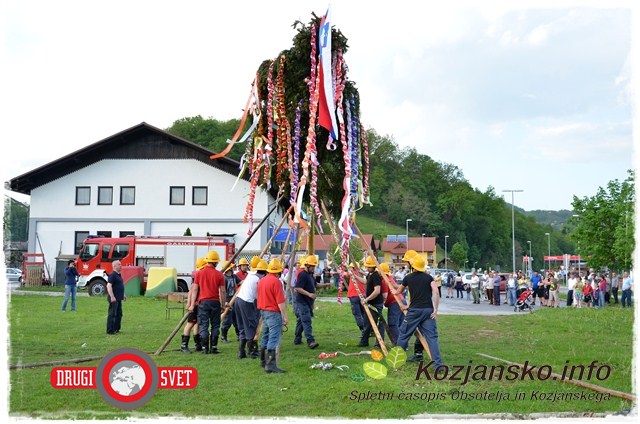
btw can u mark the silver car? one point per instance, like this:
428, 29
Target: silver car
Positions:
14, 275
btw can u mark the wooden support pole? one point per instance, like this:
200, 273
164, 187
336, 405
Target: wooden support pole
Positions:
173, 333
385, 277
558, 377
366, 309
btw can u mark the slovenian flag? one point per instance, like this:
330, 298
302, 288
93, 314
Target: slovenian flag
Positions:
326, 107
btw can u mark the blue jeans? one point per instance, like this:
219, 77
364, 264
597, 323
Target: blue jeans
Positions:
303, 322
394, 319
358, 311
512, 296
601, 298
420, 318
271, 329
70, 290
626, 295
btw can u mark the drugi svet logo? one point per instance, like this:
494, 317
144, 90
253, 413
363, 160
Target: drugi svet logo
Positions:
126, 378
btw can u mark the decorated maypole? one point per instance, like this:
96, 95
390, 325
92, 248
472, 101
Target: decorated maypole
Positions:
305, 91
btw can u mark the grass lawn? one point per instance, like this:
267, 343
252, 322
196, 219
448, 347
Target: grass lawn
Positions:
229, 387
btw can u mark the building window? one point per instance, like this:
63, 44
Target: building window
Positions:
176, 195
83, 195
105, 195
200, 195
79, 237
127, 195
106, 234
127, 233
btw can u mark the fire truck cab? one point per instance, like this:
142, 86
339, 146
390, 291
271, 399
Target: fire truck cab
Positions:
97, 254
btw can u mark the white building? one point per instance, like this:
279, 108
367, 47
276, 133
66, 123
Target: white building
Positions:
141, 181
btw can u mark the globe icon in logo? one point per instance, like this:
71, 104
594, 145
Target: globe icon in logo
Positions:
127, 378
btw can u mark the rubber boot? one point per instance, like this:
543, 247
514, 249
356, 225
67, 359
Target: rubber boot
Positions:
214, 346
417, 353
225, 331
253, 349
263, 360
241, 352
184, 348
270, 366
198, 342
205, 346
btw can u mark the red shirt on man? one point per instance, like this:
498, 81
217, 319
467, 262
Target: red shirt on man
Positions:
270, 293
351, 291
209, 281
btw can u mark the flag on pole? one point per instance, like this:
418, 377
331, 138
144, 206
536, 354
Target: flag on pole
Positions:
326, 106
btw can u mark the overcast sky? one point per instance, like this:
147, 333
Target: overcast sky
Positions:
536, 98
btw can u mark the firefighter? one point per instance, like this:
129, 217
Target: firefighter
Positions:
273, 308
247, 315
210, 291
304, 296
243, 269
231, 282
373, 297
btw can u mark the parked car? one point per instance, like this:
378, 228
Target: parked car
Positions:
14, 275
466, 278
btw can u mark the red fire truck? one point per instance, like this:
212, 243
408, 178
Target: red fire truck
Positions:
97, 254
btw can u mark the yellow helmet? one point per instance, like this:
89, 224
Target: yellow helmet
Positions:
213, 256
243, 261
226, 266
311, 260
302, 262
274, 266
200, 263
254, 262
370, 262
417, 263
385, 268
262, 265
408, 255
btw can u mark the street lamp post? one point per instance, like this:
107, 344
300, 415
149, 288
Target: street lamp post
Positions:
422, 244
465, 265
549, 248
513, 226
408, 220
529, 264
474, 265
446, 267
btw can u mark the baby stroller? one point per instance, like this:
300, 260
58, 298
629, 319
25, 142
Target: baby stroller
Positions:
523, 302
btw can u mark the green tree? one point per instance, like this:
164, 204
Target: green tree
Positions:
604, 227
16, 218
458, 254
210, 133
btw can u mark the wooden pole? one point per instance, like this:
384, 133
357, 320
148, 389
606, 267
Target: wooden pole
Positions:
558, 377
385, 277
233, 258
173, 333
366, 309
